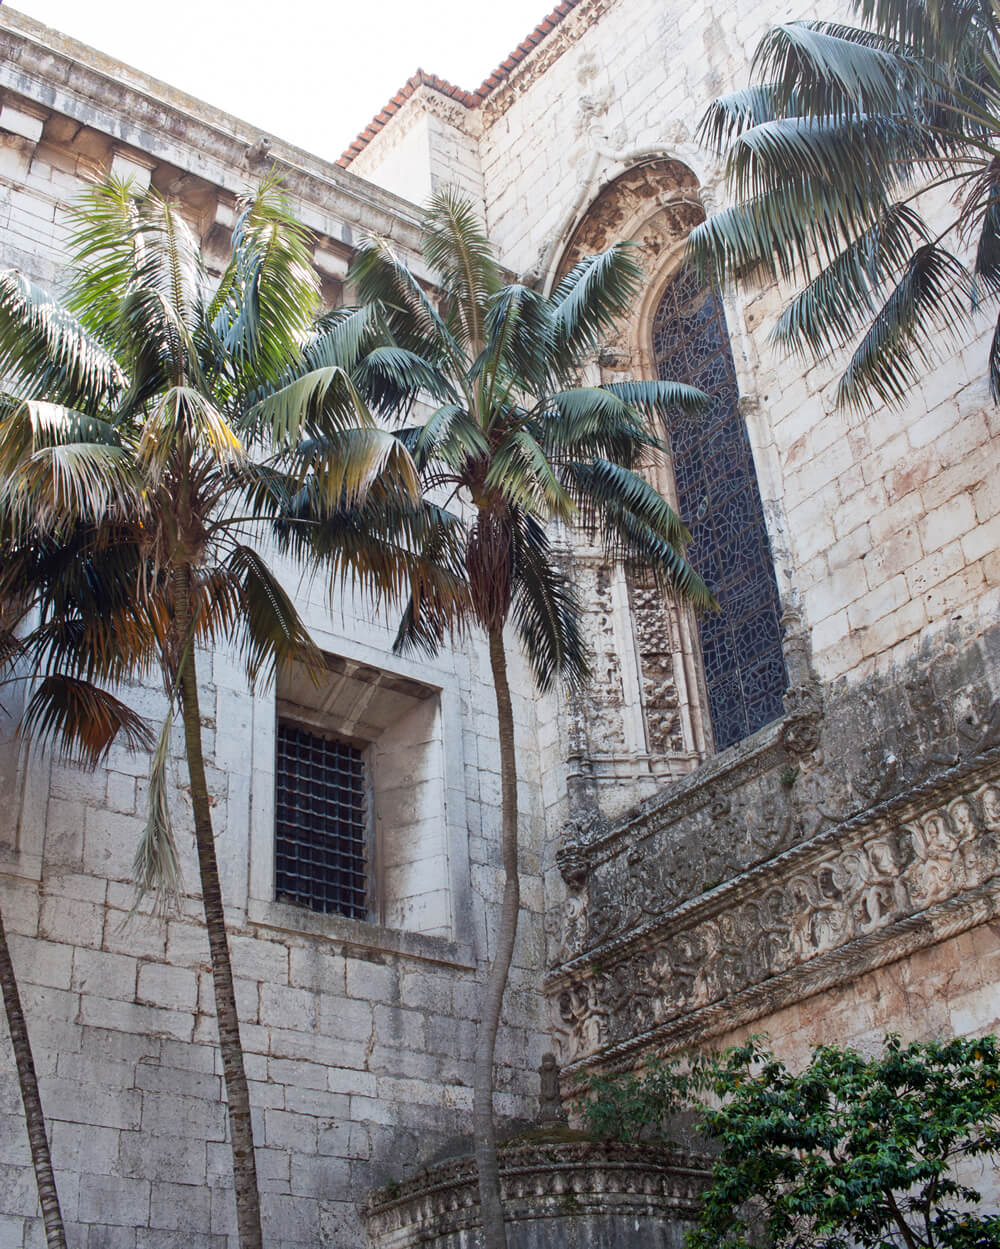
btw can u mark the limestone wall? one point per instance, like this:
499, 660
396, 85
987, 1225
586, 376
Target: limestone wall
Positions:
359, 1036
884, 522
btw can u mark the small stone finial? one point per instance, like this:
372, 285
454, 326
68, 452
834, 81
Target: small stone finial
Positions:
549, 1098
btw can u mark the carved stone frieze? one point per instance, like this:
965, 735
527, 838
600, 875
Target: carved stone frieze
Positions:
579, 1182
597, 725
857, 879
863, 819
654, 623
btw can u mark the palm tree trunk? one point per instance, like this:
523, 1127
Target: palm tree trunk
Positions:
491, 1207
48, 1198
237, 1093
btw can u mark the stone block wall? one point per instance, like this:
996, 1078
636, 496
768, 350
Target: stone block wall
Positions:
884, 522
359, 1036
832, 876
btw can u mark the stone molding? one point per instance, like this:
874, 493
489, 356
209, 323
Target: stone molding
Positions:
904, 874
68, 78
541, 1180
862, 826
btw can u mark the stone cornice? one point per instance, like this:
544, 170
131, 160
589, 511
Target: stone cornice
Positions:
542, 1180
905, 873
71, 79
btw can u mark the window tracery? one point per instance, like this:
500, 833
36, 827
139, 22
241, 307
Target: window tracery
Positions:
719, 501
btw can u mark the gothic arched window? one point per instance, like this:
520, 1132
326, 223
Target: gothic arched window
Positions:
720, 503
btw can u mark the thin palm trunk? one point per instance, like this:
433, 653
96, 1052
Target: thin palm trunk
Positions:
230, 1045
491, 1207
48, 1197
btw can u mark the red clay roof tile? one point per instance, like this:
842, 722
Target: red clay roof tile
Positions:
471, 99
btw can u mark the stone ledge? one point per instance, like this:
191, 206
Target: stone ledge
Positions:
358, 935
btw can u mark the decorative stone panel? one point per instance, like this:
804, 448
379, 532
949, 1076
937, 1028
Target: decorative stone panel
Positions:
592, 1195
829, 844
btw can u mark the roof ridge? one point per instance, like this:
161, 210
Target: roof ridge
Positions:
470, 99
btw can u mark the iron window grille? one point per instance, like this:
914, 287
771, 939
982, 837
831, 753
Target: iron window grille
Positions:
322, 826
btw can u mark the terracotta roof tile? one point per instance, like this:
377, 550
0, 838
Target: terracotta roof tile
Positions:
471, 99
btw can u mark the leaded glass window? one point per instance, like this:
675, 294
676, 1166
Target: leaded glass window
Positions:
720, 503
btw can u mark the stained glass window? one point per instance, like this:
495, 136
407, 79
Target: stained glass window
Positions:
720, 503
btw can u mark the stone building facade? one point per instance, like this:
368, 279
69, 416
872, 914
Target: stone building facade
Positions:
787, 821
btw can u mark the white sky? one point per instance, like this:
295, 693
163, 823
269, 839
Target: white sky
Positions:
310, 72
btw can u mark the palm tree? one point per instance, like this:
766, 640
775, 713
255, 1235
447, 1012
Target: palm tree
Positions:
83, 720
829, 158
155, 425
520, 445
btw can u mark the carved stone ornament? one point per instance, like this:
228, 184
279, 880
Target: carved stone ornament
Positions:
580, 1191
571, 860
550, 1108
803, 701
757, 881
825, 911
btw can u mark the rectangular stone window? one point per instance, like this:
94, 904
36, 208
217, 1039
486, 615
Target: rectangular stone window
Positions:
360, 809
322, 841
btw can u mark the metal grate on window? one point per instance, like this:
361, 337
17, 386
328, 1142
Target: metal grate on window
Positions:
321, 854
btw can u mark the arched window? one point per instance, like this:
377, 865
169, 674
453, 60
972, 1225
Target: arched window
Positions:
720, 503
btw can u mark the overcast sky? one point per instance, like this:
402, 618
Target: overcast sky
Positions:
313, 72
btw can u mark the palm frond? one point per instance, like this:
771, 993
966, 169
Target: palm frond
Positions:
787, 233
590, 300
545, 609
45, 352
932, 297
456, 248
940, 28
636, 525
347, 466
271, 288
342, 337
855, 162
520, 473
156, 865
82, 719
411, 318
391, 378
994, 363
66, 483
520, 334
183, 420
105, 251
450, 434
319, 402
826, 72
261, 617
834, 304
657, 397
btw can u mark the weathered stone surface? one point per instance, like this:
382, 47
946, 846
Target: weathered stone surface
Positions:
595, 1196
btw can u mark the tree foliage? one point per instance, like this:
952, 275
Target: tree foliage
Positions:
850, 1151
840, 159
520, 451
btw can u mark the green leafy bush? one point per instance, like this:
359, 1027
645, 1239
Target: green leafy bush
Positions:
852, 1151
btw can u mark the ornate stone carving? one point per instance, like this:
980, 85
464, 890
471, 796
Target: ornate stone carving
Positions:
657, 645
550, 1109
579, 1182
844, 887
573, 865
803, 701
659, 197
